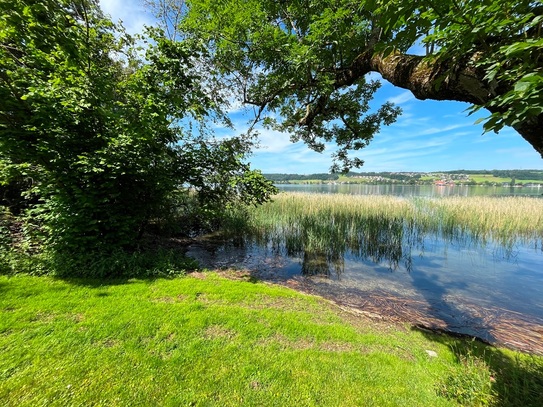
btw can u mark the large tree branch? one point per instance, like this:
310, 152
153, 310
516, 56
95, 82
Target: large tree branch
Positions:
435, 80
424, 78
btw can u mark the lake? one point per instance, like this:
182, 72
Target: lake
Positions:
412, 190
479, 288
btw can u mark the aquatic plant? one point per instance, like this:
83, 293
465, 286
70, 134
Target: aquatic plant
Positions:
326, 227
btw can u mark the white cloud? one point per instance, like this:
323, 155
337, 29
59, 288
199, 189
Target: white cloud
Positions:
402, 98
273, 141
132, 13
412, 120
436, 130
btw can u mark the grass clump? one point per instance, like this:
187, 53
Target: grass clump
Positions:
118, 263
492, 217
469, 383
207, 340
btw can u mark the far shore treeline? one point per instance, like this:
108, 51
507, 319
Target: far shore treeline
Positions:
466, 177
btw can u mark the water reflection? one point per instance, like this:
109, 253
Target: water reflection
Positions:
317, 263
391, 243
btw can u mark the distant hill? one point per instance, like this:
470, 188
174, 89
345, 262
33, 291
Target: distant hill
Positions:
516, 174
298, 177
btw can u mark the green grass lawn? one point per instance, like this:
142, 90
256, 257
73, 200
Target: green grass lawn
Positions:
205, 340
480, 178
352, 180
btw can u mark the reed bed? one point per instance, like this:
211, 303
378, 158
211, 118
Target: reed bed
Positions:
386, 228
492, 217
500, 218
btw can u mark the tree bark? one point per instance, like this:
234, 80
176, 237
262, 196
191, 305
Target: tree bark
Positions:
461, 82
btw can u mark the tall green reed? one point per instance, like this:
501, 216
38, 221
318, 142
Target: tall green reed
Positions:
324, 228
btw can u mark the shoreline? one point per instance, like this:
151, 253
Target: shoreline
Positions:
504, 329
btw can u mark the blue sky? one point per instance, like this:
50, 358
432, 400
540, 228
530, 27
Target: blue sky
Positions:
428, 136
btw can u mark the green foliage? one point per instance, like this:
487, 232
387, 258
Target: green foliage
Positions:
470, 383
221, 177
302, 63
519, 174
91, 143
501, 37
149, 263
98, 264
91, 132
281, 56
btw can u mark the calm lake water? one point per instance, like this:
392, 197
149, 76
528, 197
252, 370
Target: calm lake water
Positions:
480, 289
411, 190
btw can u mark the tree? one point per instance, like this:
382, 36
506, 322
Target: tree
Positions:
92, 127
305, 60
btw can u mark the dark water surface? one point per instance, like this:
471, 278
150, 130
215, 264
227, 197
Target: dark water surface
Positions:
463, 286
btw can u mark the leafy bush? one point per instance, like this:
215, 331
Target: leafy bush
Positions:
91, 145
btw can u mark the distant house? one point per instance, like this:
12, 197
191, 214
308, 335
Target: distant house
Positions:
444, 183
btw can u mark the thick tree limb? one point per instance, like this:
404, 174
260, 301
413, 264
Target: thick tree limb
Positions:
461, 82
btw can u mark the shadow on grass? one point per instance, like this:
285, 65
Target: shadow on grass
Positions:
511, 379
91, 282
101, 282
120, 267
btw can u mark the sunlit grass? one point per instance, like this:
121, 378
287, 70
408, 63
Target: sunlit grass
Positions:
207, 340
480, 178
500, 218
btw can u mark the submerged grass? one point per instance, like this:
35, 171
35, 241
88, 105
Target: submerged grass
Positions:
207, 340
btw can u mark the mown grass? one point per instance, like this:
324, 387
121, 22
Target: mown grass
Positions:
480, 178
205, 340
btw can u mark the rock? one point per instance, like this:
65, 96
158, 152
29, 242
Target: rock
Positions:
431, 353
